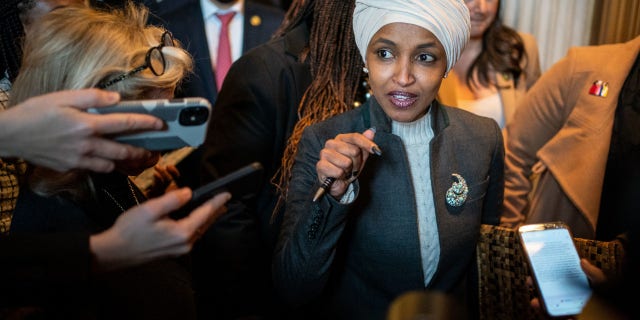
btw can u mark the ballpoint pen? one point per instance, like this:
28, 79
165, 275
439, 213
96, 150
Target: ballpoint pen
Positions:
326, 184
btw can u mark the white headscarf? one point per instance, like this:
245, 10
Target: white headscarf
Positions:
448, 20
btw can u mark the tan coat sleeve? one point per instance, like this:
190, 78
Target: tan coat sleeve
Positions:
540, 115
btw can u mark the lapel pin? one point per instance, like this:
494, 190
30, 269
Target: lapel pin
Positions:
599, 88
457, 194
255, 20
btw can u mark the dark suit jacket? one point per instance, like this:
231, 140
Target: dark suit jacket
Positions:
184, 19
251, 121
352, 260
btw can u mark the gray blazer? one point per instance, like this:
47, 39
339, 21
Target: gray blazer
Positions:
350, 261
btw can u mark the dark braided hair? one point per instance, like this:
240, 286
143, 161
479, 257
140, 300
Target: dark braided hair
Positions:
502, 51
336, 70
11, 37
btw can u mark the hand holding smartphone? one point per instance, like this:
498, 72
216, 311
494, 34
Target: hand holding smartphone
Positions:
186, 119
239, 183
555, 267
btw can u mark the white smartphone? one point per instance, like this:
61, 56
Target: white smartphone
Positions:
555, 267
187, 122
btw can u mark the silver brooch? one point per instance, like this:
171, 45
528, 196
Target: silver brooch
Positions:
457, 194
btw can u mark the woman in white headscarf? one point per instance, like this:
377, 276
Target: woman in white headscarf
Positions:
408, 180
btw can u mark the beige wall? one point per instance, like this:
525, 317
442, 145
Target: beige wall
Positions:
615, 21
556, 24
561, 24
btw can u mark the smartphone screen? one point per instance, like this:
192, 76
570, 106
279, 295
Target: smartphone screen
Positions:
563, 286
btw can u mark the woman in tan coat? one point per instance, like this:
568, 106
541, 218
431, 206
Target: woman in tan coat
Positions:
574, 134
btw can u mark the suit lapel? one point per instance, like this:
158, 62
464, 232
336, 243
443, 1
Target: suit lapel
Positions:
260, 23
194, 40
253, 27
202, 56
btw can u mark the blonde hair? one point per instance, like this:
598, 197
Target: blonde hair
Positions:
79, 47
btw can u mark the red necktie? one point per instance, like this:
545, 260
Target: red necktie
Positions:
224, 48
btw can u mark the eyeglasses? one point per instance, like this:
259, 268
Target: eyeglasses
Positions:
154, 60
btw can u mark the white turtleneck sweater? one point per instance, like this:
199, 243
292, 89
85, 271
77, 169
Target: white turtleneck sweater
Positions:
416, 137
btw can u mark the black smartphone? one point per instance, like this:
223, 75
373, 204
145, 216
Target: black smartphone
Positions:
555, 267
240, 183
186, 119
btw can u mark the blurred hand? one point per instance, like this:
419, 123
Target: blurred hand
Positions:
343, 158
53, 131
595, 275
146, 232
134, 167
164, 180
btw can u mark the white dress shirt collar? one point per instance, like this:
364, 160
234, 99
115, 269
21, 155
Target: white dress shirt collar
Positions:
212, 27
209, 8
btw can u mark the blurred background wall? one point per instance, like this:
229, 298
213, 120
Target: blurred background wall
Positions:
556, 24
561, 24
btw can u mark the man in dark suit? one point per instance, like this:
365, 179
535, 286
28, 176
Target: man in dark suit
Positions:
195, 24
186, 20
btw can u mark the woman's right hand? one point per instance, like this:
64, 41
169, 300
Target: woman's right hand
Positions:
146, 232
343, 158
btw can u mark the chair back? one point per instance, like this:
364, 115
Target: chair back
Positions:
503, 271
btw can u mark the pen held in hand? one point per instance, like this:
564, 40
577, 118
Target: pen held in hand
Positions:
326, 184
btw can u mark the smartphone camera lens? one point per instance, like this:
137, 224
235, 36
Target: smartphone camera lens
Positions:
193, 116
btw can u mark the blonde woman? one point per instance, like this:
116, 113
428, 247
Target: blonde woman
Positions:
78, 47
16, 16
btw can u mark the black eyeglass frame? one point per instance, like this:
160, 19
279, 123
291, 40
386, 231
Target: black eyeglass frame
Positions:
166, 40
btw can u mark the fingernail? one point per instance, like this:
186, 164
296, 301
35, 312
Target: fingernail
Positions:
113, 96
159, 124
183, 191
373, 129
376, 150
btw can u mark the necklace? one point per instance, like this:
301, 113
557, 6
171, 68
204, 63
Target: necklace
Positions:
116, 201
